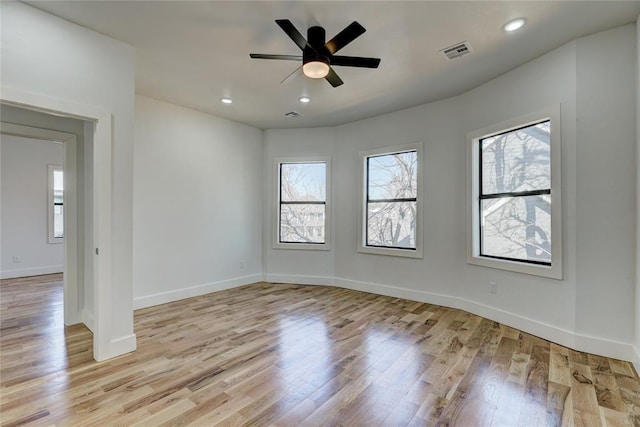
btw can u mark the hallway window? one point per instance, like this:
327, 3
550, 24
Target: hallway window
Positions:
56, 204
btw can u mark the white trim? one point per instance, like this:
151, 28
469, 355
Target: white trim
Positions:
193, 291
473, 216
46, 104
595, 345
102, 233
276, 244
70, 144
300, 279
121, 345
636, 359
605, 347
36, 271
103, 344
549, 332
567, 338
88, 319
362, 201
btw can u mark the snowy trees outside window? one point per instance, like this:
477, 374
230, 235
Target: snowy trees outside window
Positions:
302, 202
392, 182
390, 220
515, 194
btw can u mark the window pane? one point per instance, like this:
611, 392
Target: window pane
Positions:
58, 202
303, 182
393, 176
302, 223
517, 161
392, 224
517, 228
58, 222
58, 184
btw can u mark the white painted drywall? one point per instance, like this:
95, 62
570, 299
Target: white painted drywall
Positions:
315, 266
197, 205
637, 322
601, 270
53, 58
24, 205
606, 196
548, 80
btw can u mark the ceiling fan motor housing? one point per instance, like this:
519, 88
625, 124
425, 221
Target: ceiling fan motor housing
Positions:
315, 51
317, 55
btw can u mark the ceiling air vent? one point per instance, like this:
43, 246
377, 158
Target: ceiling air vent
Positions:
292, 114
457, 50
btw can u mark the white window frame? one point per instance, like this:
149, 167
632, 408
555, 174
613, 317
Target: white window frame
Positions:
276, 205
554, 270
362, 204
50, 207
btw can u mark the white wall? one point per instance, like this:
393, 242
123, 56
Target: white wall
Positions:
54, 59
24, 207
592, 307
444, 276
606, 192
315, 266
637, 325
197, 205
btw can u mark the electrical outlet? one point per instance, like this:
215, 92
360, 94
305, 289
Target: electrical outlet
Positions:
242, 264
494, 287
16, 259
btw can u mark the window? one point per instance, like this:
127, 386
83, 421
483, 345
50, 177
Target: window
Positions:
302, 217
515, 202
56, 204
392, 201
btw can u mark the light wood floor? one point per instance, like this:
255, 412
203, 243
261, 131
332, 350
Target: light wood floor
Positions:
285, 355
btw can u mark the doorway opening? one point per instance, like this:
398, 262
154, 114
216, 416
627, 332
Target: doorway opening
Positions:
45, 232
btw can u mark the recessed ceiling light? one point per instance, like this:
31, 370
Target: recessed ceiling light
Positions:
514, 24
304, 99
226, 100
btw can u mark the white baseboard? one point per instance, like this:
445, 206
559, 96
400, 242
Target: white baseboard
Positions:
34, 271
193, 291
299, 279
116, 347
549, 332
604, 347
88, 320
596, 345
636, 359
123, 345
534, 327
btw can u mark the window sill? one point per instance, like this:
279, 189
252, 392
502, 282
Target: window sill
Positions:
552, 272
404, 253
303, 246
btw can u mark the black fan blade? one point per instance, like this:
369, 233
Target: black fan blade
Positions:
293, 33
344, 37
355, 61
268, 56
333, 78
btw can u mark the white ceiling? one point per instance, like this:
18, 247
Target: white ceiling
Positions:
192, 53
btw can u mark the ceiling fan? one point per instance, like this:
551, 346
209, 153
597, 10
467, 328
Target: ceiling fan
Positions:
317, 56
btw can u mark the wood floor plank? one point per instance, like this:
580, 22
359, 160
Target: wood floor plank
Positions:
289, 355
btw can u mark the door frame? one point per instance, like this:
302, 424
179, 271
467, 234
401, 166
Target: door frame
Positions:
72, 310
103, 345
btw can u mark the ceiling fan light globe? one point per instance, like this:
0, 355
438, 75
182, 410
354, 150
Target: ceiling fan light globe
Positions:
315, 69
